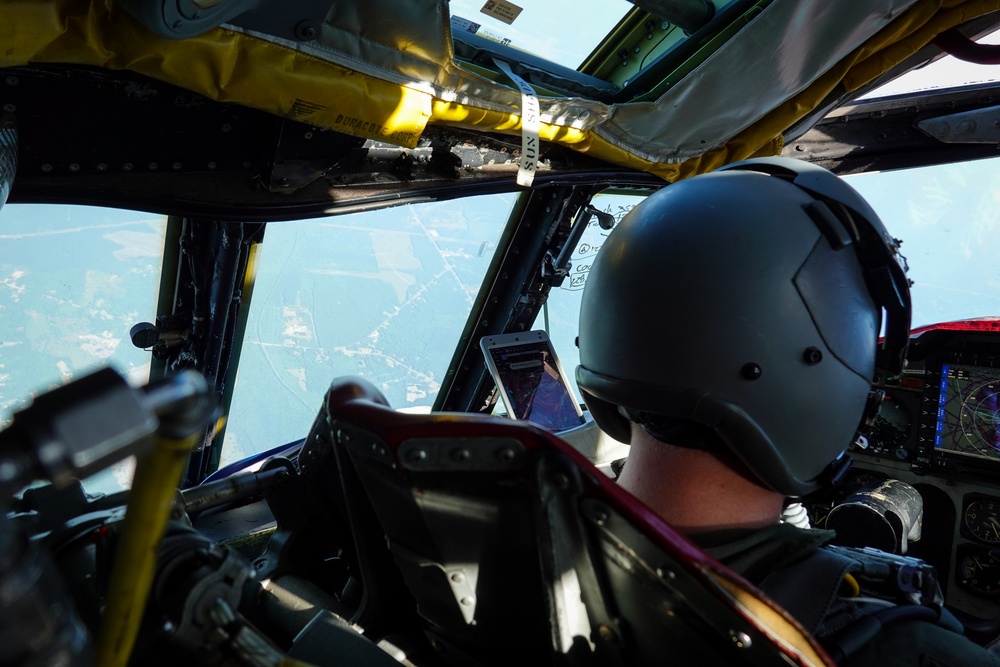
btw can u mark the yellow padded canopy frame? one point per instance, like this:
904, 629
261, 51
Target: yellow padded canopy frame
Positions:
223, 65
239, 67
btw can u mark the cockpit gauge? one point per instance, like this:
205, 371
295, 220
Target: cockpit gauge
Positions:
978, 570
981, 519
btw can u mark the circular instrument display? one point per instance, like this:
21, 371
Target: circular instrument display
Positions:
978, 416
981, 519
978, 570
969, 416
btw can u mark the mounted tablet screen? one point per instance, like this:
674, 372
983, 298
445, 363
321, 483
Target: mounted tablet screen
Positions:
531, 382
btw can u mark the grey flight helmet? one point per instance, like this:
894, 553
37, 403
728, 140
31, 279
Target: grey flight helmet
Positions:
747, 302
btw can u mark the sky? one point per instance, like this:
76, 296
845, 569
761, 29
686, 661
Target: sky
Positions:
551, 29
945, 72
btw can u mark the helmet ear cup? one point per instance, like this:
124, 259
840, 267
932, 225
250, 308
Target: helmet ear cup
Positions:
608, 417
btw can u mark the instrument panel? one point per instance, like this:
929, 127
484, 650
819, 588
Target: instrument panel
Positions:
943, 413
938, 429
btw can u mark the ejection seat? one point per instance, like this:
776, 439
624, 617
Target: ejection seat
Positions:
516, 549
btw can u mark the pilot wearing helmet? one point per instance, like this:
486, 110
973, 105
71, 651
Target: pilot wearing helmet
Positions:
729, 332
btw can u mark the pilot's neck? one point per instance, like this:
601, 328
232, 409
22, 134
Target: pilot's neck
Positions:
695, 491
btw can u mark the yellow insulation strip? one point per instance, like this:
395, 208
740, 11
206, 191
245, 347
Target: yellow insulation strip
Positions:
232, 67
473, 118
913, 30
750, 143
221, 65
774, 622
154, 488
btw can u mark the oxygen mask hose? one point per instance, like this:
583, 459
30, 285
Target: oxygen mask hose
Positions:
183, 405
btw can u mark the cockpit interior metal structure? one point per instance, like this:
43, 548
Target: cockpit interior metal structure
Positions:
407, 519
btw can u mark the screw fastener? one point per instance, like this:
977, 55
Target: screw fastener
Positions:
812, 356
740, 639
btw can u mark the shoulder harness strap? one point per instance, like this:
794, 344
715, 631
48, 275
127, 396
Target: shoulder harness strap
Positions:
846, 595
810, 587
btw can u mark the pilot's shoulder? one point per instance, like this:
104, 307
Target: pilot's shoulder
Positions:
913, 643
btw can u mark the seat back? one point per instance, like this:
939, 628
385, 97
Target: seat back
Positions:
515, 547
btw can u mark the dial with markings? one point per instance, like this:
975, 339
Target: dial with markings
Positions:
978, 570
982, 519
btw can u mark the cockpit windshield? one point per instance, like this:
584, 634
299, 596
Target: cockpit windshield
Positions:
379, 295
559, 31
383, 294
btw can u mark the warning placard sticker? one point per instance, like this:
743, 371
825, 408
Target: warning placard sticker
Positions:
505, 11
464, 25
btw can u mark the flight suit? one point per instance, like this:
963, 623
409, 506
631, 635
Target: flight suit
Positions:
778, 553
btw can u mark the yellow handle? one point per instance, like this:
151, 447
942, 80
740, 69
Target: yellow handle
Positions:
157, 476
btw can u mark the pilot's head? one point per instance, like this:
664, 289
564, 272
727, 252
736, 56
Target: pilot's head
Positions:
740, 312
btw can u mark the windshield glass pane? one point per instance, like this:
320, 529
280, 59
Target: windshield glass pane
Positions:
559, 31
383, 295
948, 217
73, 281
